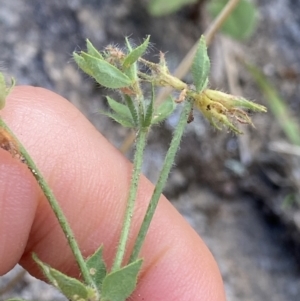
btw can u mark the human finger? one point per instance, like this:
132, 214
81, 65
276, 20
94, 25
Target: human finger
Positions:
90, 179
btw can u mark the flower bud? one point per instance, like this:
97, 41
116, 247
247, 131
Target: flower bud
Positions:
223, 109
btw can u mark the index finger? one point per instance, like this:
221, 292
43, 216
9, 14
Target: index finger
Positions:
90, 179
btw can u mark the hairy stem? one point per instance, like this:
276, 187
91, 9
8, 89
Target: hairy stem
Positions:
55, 207
137, 166
163, 177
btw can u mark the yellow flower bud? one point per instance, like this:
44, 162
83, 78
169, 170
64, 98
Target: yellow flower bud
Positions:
223, 109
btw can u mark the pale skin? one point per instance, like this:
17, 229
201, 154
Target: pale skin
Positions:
90, 179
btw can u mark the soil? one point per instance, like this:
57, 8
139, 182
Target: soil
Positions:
236, 192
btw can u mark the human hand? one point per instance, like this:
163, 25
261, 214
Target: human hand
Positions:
90, 179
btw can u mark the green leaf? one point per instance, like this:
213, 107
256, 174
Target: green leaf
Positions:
119, 119
104, 73
149, 110
97, 267
119, 285
164, 110
201, 66
131, 72
72, 288
91, 50
136, 53
133, 111
241, 22
119, 108
162, 7
128, 44
81, 64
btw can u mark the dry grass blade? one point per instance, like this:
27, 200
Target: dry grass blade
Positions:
277, 105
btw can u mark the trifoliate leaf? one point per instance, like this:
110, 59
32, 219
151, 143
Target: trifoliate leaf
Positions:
103, 72
72, 288
91, 50
201, 66
242, 21
119, 285
96, 266
164, 110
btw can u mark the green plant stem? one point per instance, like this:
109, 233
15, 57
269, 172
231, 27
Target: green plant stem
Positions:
163, 177
137, 166
55, 207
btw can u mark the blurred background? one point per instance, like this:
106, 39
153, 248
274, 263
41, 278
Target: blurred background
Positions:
241, 194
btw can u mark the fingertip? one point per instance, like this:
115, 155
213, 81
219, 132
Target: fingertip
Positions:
18, 202
178, 265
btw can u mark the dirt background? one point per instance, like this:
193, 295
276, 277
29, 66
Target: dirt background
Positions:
232, 190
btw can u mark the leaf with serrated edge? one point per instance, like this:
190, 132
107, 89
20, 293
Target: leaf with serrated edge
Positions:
119, 108
201, 66
72, 288
136, 53
132, 109
119, 285
97, 266
104, 73
91, 50
164, 110
119, 119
